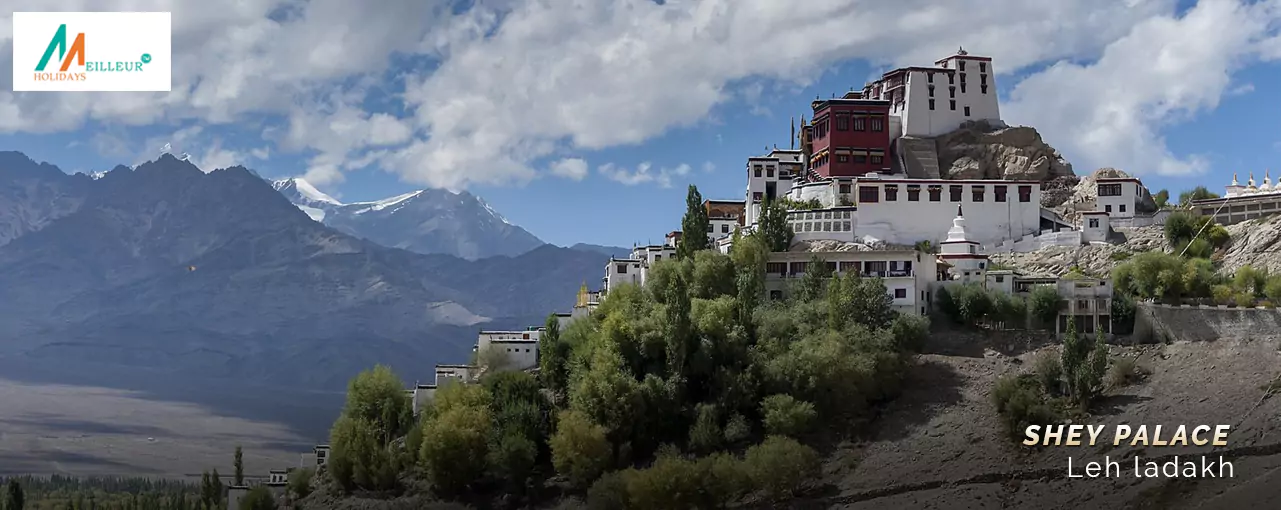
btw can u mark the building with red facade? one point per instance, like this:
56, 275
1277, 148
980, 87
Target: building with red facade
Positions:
848, 137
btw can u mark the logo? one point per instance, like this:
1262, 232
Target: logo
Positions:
91, 51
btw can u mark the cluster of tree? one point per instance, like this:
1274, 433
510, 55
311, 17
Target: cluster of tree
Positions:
1193, 235
1197, 193
973, 304
1073, 380
690, 392
97, 493
1247, 287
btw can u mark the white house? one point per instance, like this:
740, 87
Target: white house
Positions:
723, 217
932, 101
906, 211
768, 178
906, 272
519, 347
621, 271
1095, 226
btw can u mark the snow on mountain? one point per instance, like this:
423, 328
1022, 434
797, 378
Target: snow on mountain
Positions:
423, 221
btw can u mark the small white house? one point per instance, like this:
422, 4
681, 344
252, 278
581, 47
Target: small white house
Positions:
1119, 196
1095, 226
520, 348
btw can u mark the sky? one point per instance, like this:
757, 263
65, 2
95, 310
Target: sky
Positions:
585, 120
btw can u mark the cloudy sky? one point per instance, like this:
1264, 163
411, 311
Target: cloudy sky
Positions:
583, 120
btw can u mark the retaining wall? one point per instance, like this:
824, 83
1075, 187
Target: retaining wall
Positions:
1201, 323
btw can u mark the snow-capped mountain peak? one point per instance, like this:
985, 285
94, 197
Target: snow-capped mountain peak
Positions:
298, 190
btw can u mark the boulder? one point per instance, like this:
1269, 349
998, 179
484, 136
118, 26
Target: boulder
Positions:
982, 150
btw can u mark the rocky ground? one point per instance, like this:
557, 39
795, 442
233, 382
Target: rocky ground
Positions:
941, 446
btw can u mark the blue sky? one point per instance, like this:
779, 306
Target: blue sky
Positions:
494, 99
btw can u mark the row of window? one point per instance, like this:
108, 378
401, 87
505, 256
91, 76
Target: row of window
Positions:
822, 215
777, 295
769, 171
855, 267
952, 104
859, 157
1108, 208
822, 226
1110, 190
871, 194
951, 80
710, 229
849, 122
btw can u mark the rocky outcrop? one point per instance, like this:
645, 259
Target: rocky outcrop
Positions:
1255, 243
981, 150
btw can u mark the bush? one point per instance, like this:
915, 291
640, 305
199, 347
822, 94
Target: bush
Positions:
1020, 402
258, 498
609, 492
1045, 305
706, 434
1272, 288
580, 450
780, 466
1049, 371
1123, 311
1222, 294
1126, 371
786, 416
455, 447
300, 482
737, 430
910, 331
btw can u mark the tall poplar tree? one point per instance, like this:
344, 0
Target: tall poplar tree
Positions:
240, 468
694, 226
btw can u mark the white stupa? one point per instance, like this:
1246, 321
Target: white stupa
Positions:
962, 252
1267, 182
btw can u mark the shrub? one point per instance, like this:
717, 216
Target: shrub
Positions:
1272, 288
779, 466
1020, 403
671, 482
786, 416
1049, 371
300, 482
609, 492
1126, 371
455, 447
1045, 305
1222, 294
737, 430
910, 331
1123, 311
706, 434
580, 450
258, 498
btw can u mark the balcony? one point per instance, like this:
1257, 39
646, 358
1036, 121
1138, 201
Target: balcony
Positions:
889, 274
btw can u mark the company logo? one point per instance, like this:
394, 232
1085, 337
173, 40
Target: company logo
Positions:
92, 51
76, 53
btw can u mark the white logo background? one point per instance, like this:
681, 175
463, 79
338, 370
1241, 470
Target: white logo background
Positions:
109, 37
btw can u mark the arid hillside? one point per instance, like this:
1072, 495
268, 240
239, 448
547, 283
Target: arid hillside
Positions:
941, 444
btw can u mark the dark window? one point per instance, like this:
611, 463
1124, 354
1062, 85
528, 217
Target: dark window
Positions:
953, 104
951, 78
999, 193
660, 257
878, 124
984, 87
962, 66
962, 86
860, 123
978, 193
621, 268
725, 228
982, 67
1094, 223
931, 91
1110, 190
842, 122
878, 159
1122, 207
769, 172
845, 189
758, 170
756, 196
1000, 278
954, 193
776, 267
951, 92
868, 194
962, 80
1025, 193
842, 158
936, 194
929, 77
913, 193
982, 79
967, 111
931, 103
1107, 208
891, 193
900, 293
709, 227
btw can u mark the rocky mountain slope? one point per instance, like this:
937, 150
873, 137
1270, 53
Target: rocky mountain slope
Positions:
424, 221
216, 274
979, 150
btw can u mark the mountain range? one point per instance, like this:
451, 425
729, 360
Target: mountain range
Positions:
423, 221
217, 274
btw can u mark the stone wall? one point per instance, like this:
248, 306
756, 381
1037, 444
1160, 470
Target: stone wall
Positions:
1200, 323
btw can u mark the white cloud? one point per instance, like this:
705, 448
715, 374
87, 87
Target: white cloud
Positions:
708, 167
644, 173
521, 81
1166, 69
570, 168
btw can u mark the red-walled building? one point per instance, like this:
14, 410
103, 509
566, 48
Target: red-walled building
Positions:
849, 137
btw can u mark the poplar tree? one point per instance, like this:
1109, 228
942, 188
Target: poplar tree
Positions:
694, 226
240, 468
773, 227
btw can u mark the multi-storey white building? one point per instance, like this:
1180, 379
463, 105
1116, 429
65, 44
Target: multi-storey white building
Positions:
906, 272
932, 101
1243, 203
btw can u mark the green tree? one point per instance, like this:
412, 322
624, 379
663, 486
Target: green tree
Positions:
706, 435
14, 499
859, 300
813, 284
300, 482
378, 396
553, 357
258, 498
780, 466
1045, 305
773, 228
786, 416
1197, 193
580, 450
455, 447
1161, 198
711, 275
750, 255
239, 465
694, 225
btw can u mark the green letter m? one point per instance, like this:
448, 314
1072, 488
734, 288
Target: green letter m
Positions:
59, 43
